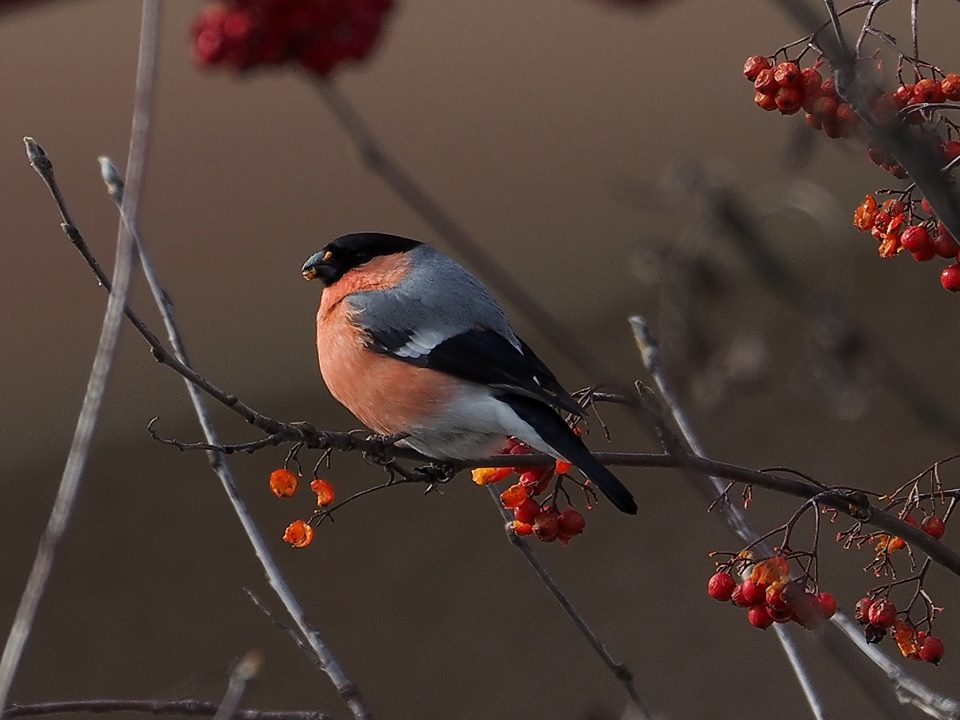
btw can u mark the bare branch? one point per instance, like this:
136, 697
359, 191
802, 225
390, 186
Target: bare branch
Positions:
619, 670
346, 688
100, 372
189, 708
736, 518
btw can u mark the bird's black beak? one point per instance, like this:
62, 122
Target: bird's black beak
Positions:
319, 267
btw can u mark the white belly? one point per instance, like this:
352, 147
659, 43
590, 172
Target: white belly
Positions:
473, 425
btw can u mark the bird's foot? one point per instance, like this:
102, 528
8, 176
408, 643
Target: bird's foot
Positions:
379, 453
438, 472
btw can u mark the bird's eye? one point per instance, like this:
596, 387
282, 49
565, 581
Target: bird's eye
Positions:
326, 256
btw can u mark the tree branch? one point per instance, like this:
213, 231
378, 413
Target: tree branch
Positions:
189, 708
99, 374
347, 689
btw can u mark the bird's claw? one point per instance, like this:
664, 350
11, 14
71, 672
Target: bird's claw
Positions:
437, 473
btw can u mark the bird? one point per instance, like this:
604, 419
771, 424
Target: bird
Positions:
415, 346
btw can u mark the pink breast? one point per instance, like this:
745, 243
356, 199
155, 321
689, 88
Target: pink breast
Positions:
385, 394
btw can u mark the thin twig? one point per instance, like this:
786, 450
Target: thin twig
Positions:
100, 372
189, 707
619, 670
240, 677
735, 517
346, 688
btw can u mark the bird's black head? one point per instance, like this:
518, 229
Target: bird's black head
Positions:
350, 251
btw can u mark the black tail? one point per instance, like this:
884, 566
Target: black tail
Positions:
555, 433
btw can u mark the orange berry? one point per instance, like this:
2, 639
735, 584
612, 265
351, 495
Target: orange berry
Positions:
485, 476
865, 214
521, 528
283, 482
324, 491
562, 467
513, 496
299, 533
950, 86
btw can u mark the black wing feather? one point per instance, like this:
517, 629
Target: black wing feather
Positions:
485, 357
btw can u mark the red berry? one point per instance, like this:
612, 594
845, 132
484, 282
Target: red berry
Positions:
883, 613
765, 101
862, 612
527, 511
546, 526
810, 82
931, 650
924, 255
950, 278
753, 65
788, 100
721, 586
572, 523
928, 91
951, 150
933, 526
753, 592
951, 86
916, 239
847, 117
944, 243
825, 108
759, 617
737, 598
829, 87
828, 605
765, 82
904, 94
787, 74
774, 598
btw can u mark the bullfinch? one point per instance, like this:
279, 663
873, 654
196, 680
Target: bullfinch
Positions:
412, 343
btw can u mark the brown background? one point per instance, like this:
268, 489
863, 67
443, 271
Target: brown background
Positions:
543, 126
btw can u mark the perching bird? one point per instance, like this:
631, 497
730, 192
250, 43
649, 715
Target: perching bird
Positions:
411, 342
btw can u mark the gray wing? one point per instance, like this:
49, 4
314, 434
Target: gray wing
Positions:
442, 317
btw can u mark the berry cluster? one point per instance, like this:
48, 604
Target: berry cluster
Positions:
318, 34
904, 224
879, 617
770, 595
284, 483
788, 88
540, 518
897, 224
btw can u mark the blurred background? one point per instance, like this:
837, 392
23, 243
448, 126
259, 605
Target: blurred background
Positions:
563, 135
